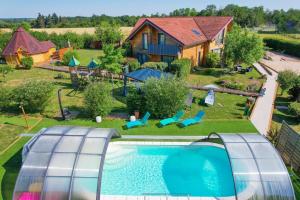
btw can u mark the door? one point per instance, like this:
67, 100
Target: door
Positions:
199, 58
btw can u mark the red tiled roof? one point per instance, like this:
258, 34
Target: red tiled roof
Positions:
186, 30
22, 39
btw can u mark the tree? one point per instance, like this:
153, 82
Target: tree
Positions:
98, 100
108, 33
112, 60
286, 80
242, 46
213, 59
164, 97
295, 89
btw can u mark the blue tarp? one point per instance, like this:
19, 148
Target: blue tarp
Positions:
142, 75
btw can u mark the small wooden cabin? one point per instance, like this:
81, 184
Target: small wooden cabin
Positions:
22, 44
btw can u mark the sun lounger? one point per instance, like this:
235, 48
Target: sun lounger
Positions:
195, 120
173, 119
141, 122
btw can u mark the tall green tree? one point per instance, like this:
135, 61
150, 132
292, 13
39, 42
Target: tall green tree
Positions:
112, 60
109, 33
242, 46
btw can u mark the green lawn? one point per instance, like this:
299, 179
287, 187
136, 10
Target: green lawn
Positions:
283, 114
86, 55
212, 76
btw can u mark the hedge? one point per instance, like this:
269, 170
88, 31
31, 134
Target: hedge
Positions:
181, 67
155, 65
286, 45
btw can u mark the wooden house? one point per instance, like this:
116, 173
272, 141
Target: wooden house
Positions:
169, 38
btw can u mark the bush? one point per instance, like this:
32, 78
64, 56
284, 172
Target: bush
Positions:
164, 97
155, 65
135, 102
133, 65
294, 108
68, 55
27, 62
98, 99
213, 60
5, 69
286, 79
5, 97
234, 85
33, 95
181, 67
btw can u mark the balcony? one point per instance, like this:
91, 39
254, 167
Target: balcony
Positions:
166, 50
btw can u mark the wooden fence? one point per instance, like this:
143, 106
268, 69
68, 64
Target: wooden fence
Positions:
288, 145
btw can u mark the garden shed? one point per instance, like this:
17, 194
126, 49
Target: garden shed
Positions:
141, 75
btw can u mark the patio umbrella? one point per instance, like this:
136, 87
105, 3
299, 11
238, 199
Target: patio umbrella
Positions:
74, 62
93, 64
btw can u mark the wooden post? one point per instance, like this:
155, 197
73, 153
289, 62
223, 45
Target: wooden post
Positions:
24, 115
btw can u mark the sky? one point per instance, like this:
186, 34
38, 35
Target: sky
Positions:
30, 8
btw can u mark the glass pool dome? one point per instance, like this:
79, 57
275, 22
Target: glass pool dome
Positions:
257, 168
63, 162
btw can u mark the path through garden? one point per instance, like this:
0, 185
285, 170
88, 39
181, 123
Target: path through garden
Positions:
263, 110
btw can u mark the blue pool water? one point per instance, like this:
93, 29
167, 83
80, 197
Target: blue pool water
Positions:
173, 170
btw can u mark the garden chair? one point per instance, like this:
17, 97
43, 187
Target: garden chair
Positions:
142, 122
195, 120
173, 119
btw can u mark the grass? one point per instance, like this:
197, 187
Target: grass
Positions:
86, 55
283, 114
212, 76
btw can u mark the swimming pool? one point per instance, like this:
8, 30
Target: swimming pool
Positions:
193, 170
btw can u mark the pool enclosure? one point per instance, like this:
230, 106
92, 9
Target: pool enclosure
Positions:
257, 168
63, 162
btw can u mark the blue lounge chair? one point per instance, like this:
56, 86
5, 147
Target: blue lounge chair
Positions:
141, 122
194, 120
173, 119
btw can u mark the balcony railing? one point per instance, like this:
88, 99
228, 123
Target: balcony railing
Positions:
166, 50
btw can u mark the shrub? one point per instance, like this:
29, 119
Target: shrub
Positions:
33, 95
5, 69
135, 102
5, 97
68, 55
286, 79
181, 67
164, 97
133, 65
294, 108
213, 60
295, 90
27, 62
98, 99
234, 85
155, 65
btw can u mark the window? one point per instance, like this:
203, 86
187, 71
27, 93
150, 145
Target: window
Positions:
145, 41
161, 39
220, 38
